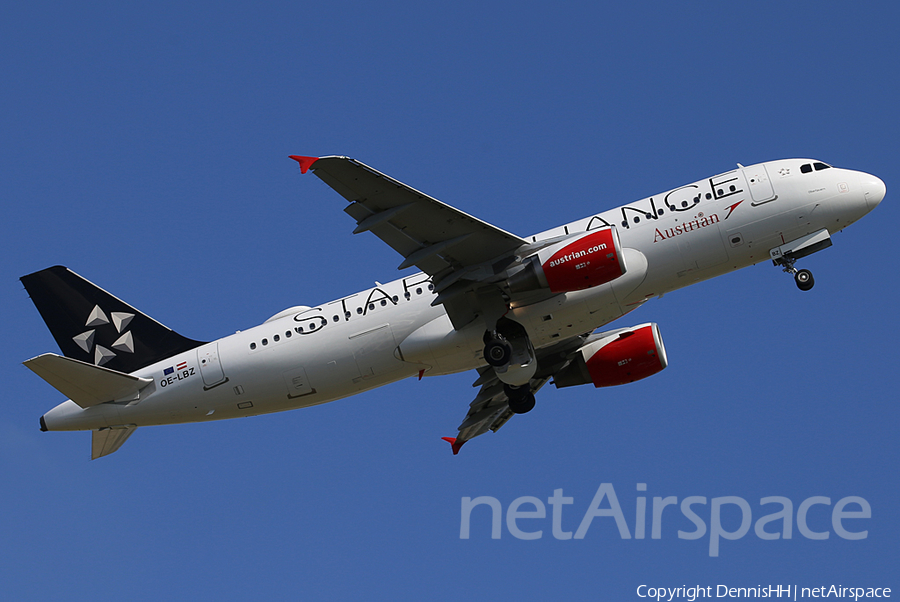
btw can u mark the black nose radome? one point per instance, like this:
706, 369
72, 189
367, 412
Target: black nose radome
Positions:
43, 425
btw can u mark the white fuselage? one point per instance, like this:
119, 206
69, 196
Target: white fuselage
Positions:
308, 356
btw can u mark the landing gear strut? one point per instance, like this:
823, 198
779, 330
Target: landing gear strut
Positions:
803, 278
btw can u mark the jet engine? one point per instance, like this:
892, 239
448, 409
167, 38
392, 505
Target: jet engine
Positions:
616, 358
574, 264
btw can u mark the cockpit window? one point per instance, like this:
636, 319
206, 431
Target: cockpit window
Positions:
806, 167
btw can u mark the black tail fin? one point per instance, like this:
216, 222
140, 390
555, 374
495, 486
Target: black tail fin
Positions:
93, 326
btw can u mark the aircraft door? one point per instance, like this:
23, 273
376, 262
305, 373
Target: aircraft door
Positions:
760, 185
210, 367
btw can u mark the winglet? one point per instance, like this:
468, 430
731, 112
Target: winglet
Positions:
454, 443
305, 162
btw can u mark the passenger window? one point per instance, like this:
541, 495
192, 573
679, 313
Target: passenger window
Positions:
265, 342
805, 168
276, 338
252, 346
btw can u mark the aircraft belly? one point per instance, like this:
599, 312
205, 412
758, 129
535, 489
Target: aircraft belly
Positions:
438, 348
568, 315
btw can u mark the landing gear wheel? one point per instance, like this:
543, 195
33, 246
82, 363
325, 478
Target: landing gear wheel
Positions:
521, 399
497, 353
804, 280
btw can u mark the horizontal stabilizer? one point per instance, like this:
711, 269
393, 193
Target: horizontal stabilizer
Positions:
86, 384
107, 440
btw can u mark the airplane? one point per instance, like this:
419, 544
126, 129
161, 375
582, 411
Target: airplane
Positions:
521, 312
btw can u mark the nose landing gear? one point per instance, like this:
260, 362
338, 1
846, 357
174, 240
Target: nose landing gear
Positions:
803, 278
787, 255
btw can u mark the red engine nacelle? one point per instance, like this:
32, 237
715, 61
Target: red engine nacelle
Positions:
620, 358
592, 259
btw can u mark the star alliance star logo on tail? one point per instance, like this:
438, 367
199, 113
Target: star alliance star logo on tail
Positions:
97, 318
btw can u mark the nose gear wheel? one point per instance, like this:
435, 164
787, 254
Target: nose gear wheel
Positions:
803, 278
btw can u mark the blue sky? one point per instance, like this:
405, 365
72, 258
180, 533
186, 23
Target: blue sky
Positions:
145, 146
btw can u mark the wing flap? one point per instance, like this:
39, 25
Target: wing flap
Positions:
86, 384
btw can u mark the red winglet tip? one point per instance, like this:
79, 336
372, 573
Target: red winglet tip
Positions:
454, 444
305, 162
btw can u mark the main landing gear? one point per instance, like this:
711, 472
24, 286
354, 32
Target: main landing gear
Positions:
497, 350
508, 350
803, 278
521, 399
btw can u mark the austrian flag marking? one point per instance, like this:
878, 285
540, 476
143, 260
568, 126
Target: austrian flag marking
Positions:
173, 374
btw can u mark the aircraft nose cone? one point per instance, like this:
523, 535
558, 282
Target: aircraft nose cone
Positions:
873, 188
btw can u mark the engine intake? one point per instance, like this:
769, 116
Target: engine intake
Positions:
588, 260
620, 358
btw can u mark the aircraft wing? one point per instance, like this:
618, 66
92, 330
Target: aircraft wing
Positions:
458, 251
490, 409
